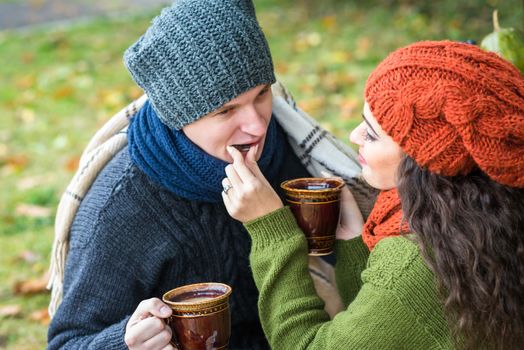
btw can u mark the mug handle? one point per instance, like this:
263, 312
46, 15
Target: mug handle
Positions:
174, 340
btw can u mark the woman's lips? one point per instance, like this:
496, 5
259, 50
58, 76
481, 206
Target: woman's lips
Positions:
361, 159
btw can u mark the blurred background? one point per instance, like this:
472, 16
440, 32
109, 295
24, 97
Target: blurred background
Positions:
62, 77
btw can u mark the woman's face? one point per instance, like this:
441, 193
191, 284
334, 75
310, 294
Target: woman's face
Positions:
379, 155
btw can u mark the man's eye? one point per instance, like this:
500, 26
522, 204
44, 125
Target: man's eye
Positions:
263, 91
224, 111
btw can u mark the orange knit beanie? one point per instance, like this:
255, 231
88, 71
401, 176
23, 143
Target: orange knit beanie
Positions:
452, 107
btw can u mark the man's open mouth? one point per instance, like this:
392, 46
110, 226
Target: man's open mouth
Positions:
243, 148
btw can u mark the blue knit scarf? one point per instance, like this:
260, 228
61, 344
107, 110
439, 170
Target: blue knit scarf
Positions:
170, 159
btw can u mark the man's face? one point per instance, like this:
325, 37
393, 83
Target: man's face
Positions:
242, 123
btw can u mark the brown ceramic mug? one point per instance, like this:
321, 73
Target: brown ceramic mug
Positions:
315, 203
201, 319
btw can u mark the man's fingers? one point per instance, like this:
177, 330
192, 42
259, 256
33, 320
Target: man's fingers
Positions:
153, 306
160, 339
149, 327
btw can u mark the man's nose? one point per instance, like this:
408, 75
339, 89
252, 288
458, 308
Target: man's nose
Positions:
253, 122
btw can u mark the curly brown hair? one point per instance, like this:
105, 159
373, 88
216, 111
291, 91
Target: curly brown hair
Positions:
471, 233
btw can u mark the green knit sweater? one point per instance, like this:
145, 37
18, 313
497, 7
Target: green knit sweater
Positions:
390, 295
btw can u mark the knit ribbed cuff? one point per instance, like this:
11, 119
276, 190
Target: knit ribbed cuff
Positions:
351, 251
274, 227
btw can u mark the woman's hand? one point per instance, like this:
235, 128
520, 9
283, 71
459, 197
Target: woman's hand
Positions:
247, 195
351, 220
146, 328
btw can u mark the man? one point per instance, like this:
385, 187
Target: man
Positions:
153, 219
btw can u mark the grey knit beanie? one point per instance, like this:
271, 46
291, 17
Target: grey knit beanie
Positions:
198, 55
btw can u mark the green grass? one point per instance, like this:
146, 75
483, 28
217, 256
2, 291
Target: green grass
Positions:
58, 85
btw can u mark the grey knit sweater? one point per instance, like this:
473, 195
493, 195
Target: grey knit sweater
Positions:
132, 240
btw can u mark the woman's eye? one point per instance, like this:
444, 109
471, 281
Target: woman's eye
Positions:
368, 136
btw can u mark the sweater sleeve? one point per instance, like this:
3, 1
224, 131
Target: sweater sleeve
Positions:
107, 274
102, 290
352, 256
383, 315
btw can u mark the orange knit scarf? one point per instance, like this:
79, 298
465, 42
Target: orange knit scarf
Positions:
385, 219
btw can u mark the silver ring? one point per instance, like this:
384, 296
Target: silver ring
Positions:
227, 188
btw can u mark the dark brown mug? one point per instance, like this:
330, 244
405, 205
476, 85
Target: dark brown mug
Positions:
315, 203
201, 319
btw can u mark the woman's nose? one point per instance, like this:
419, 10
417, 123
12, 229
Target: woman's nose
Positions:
356, 135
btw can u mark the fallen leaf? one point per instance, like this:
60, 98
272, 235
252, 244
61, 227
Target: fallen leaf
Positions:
63, 92
282, 68
4, 150
339, 57
25, 82
348, 109
363, 46
312, 104
112, 98
28, 57
29, 256
72, 163
10, 311
329, 22
134, 92
41, 316
16, 162
27, 115
32, 211
27, 183
32, 286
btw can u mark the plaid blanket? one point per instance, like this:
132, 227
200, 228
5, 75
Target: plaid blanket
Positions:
316, 148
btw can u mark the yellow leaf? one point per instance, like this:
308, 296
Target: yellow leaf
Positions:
63, 92
27, 115
25, 82
313, 104
16, 162
329, 22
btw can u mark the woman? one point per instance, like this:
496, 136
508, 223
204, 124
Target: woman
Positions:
439, 263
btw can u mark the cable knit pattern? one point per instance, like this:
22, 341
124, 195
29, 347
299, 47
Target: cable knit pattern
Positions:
198, 55
385, 219
181, 242
452, 107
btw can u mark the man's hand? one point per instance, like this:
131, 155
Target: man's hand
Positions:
146, 329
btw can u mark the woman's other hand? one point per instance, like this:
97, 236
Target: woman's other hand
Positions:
351, 220
247, 194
